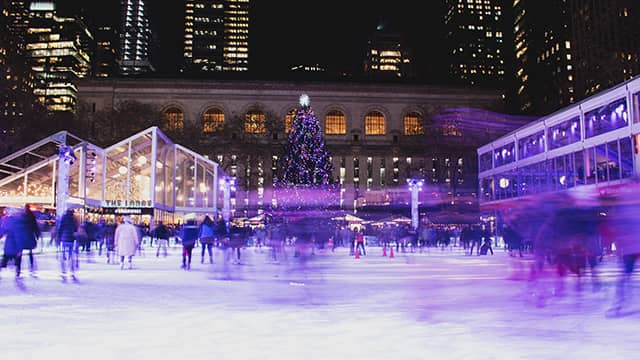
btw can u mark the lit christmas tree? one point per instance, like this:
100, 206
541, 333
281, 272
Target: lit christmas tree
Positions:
306, 160
306, 180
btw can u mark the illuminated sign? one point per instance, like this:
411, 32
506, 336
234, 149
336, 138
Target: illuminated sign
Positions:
127, 210
127, 203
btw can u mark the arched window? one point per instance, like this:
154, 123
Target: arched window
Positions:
335, 123
173, 119
374, 123
254, 122
288, 120
212, 120
413, 124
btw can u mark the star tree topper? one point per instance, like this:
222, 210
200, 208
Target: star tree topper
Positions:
304, 100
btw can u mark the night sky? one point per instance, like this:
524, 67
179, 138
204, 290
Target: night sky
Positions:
286, 32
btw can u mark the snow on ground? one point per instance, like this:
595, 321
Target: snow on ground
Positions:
436, 305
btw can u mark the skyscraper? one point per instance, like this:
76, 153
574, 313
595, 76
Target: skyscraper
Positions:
16, 81
567, 50
216, 36
57, 52
606, 39
135, 38
104, 57
544, 61
475, 32
387, 56
236, 35
203, 35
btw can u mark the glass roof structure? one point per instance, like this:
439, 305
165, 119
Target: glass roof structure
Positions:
146, 170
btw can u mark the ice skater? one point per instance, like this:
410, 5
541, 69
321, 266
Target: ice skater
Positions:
188, 237
126, 241
207, 236
66, 230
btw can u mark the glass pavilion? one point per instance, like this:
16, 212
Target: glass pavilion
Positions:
145, 175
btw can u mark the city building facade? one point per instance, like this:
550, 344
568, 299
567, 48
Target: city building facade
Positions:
378, 136
16, 79
589, 147
216, 36
134, 56
105, 55
475, 35
568, 50
544, 58
387, 56
58, 53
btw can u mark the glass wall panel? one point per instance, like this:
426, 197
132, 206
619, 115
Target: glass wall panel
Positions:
185, 168
140, 166
636, 107
13, 189
74, 175
202, 186
94, 171
531, 145
485, 161
504, 155
560, 173
39, 184
117, 173
626, 157
209, 180
601, 163
607, 118
486, 189
565, 133
163, 171
590, 165
171, 174
570, 180
526, 180
578, 158
613, 160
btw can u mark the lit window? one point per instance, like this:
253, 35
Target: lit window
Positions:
254, 122
374, 123
212, 120
335, 123
413, 124
288, 120
174, 119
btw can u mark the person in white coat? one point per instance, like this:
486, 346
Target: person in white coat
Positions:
126, 241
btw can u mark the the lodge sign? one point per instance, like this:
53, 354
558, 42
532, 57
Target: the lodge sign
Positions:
127, 203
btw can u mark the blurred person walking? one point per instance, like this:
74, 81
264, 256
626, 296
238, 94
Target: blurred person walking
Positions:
162, 234
31, 237
188, 237
13, 228
207, 236
624, 227
66, 237
126, 241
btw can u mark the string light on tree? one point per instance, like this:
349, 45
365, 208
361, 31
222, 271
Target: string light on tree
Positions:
306, 162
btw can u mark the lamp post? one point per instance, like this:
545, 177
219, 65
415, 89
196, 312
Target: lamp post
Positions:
227, 184
415, 186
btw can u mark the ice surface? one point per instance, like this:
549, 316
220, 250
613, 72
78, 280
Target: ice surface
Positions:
436, 305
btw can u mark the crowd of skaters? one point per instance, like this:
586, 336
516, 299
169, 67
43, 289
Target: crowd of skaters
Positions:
559, 232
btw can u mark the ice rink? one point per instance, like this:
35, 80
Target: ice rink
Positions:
432, 305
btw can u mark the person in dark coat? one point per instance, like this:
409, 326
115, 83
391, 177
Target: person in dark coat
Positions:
188, 237
31, 236
207, 236
67, 228
13, 227
162, 234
